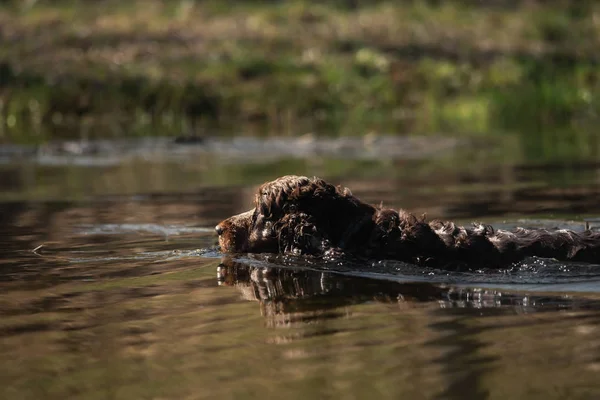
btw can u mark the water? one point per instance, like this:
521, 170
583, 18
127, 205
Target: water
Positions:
111, 284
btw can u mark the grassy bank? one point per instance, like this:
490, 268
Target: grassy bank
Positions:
112, 68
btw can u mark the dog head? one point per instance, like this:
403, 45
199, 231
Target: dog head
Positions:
292, 213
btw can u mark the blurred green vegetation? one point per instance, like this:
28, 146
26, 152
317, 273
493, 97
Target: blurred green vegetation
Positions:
73, 69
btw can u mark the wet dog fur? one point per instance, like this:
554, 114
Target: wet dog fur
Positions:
301, 215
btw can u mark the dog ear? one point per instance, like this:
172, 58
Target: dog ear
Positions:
299, 235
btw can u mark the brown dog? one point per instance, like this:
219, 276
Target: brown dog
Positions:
300, 215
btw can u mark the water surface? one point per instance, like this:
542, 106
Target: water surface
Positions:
111, 284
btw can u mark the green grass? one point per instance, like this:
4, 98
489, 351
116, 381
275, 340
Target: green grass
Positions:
105, 68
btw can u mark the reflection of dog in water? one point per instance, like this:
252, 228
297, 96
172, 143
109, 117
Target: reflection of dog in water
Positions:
287, 296
300, 215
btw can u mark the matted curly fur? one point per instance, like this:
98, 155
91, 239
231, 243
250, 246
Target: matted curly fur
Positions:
300, 215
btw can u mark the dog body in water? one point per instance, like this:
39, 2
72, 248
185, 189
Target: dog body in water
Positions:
300, 215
